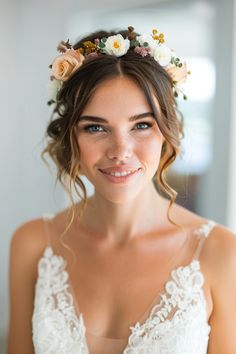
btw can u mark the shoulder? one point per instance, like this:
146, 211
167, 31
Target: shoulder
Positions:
26, 247
219, 255
28, 233
220, 248
219, 262
31, 237
28, 240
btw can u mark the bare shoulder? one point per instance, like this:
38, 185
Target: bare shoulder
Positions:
26, 247
220, 254
29, 238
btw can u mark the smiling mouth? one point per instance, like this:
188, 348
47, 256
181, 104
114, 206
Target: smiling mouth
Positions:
120, 177
119, 174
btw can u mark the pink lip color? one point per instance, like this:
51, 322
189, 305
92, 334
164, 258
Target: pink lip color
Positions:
121, 179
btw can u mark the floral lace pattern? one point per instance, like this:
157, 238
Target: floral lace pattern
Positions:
177, 325
56, 328
178, 322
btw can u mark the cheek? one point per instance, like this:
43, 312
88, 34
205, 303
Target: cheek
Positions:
87, 152
150, 150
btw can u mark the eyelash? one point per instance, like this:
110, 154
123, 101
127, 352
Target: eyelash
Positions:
88, 127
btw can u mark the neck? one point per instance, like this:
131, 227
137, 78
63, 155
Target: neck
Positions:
119, 222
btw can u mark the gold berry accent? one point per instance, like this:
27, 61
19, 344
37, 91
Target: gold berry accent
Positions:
80, 50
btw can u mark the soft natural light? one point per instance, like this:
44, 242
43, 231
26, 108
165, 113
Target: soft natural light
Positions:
200, 85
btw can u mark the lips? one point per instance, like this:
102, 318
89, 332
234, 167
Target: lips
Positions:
119, 169
120, 175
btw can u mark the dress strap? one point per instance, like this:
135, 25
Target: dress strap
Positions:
47, 222
203, 232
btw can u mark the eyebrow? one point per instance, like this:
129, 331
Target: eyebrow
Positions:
103, 120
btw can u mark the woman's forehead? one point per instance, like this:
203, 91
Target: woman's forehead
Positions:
119, 93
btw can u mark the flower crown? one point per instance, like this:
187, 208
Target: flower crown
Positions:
71, 59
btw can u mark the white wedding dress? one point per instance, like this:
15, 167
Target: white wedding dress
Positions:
177, 324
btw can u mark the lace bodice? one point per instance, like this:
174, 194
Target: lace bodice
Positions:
175, 325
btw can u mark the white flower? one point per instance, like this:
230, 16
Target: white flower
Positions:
163, 55
147, 38
117, 45
53, 88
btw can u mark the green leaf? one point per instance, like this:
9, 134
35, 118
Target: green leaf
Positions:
102, 45
176, 94
132, 43
51, 102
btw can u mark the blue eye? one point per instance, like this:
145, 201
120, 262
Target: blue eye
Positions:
93, 128
143, 125
96, 128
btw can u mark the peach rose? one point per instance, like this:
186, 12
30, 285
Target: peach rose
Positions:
66, 64
178, 74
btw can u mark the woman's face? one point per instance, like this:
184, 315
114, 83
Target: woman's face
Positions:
119, 140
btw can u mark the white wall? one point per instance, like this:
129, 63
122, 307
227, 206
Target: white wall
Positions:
231, 207
214, 186
28, 35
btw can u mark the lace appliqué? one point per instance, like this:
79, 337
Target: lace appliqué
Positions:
178, 323
56, 327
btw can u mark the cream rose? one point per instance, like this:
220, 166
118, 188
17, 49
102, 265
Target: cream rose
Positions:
117, 45
162, 54
66, 64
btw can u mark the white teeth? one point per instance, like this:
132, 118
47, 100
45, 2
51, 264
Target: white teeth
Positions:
119, 174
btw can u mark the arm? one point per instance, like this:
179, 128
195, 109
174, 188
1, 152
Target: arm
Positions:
223, 284
26, 245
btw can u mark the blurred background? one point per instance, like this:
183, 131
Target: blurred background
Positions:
202, 31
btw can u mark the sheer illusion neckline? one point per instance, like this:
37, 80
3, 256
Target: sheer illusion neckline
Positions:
194, 264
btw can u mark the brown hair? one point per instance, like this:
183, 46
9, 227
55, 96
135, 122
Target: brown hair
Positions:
73, 96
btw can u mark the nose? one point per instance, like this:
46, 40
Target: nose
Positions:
120, 148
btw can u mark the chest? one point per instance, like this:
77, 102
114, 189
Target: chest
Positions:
180, 313
116, 288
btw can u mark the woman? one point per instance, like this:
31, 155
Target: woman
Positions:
116, 273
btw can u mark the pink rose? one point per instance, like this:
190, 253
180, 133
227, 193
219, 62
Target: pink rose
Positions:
66, 64
144, 51
178, 74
